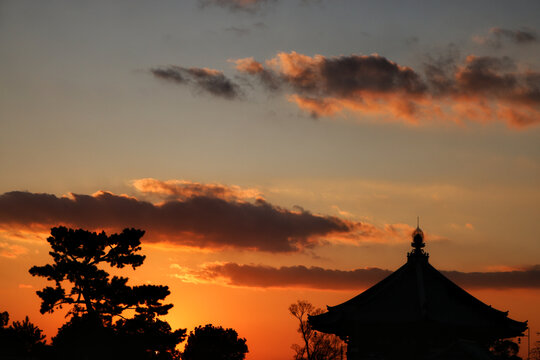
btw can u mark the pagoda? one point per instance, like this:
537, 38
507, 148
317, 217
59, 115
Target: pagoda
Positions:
417, 313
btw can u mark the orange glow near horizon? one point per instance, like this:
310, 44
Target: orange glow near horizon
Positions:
259, 315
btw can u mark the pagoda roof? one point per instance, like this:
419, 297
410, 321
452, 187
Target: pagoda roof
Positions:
418, 296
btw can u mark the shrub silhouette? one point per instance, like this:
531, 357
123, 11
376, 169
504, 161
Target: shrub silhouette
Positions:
21, 340
214, 343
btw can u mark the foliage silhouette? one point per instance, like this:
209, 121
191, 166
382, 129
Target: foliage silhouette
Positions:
145, 332
83, 338
214, 343
22, 340
505, 350
98, 327
316, 346
76, 255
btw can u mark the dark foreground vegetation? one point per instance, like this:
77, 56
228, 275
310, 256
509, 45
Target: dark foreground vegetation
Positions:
107, 318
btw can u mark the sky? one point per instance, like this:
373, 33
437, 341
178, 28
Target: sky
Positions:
273, 150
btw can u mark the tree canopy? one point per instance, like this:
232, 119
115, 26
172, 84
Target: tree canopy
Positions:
98, 302
77, 255
214, 343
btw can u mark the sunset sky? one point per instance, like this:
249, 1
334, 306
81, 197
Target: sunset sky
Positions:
273, 150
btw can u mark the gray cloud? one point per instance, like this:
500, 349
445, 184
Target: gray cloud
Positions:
198, 221
497, 36
327, 279
236, 5
526, 278
518, 36
249, 6
210, 81
238, 30
292, 276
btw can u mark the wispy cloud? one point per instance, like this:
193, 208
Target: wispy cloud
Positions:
237, 5
11, 251
232, 274
249, 6
268, 78
183, 189
240, 31
204, 80
498, 35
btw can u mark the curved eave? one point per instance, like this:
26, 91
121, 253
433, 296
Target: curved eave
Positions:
444, 304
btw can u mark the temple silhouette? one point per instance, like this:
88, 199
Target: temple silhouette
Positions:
417, 313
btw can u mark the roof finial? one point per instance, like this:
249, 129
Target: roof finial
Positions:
418, 242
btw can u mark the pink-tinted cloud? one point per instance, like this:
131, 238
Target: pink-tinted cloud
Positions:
319, 278
480, 88
200, 220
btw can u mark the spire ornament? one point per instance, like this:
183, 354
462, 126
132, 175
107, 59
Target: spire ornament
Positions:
418, 242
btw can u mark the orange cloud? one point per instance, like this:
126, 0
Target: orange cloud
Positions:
248, 65
481, 88
268, 78
387, 107
183, 189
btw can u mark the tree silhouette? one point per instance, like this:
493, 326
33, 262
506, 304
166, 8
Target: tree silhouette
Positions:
77, 255
20, 339
316, 346
214, 343
97, 300
505, 350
